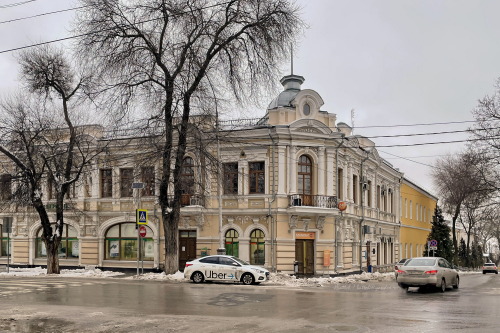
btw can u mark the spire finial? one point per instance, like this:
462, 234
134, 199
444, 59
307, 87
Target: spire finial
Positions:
291, 57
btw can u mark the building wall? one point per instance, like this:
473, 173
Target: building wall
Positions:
366, 234
417, 210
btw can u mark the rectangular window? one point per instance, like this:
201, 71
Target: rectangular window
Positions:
355, 186
340, 184
5, 187
257, 177
369, 193
148, 179
230, 178
126, 180
106, 183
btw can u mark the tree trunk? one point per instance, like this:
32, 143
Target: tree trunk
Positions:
52, 256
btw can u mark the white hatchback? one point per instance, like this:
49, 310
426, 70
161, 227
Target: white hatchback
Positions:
224, 268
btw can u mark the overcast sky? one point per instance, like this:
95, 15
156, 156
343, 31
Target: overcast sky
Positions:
394, 62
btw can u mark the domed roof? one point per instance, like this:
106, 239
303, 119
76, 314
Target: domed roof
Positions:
291, 83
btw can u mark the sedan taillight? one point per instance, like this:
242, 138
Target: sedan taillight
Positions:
433, 272
187, 265
401, 272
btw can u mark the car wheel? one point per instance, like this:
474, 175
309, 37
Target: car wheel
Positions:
197, 277
402, 285
443, 286
247, 279
457, 282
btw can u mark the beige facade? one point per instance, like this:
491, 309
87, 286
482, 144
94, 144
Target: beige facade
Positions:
283, 177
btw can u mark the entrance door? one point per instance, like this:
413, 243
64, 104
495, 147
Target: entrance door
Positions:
187, 247
304, 255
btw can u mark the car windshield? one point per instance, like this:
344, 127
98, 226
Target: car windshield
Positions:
421, 262
241, 262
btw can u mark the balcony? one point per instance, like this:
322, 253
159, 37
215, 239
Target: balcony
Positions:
306, 200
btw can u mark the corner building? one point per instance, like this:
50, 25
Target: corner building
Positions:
275, 202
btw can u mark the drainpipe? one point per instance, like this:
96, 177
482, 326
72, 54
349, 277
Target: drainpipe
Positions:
336, 261
273, 199
361, 238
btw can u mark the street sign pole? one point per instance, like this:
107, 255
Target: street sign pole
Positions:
138, 187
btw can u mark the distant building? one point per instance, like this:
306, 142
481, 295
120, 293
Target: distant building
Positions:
282, 179
417, 210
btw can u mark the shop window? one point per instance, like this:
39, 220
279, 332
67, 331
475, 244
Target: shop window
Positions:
148, 179
231, 178
121, 243
106, 183
257, 177
257, 247
232, 243
5, 243
68, 248
126, 180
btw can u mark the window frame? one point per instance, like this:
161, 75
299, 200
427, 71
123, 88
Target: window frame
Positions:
231, 182
257, 177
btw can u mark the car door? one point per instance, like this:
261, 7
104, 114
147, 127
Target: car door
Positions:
445, 271
230, 269
209, 267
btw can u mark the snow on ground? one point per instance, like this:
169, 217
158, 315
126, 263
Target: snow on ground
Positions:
277, 279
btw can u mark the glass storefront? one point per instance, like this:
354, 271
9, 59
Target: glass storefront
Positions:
69, 248
121, 243
257, 245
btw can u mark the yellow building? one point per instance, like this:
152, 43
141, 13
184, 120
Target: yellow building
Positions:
417, 208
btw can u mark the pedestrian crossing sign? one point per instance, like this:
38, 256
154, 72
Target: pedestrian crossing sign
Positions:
141, 216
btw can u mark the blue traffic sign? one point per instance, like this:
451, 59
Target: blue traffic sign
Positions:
141, 216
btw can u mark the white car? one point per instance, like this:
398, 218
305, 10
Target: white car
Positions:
224, 268
428, 272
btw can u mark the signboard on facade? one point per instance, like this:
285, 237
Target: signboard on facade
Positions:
305, 235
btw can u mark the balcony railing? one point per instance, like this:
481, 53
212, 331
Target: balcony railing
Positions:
306, 200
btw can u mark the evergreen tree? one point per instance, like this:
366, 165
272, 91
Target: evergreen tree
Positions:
440, 232
462, 253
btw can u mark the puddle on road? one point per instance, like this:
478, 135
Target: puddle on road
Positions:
33, 325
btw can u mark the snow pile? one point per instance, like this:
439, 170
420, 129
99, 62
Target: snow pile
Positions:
178, 276
39, 271
292, 281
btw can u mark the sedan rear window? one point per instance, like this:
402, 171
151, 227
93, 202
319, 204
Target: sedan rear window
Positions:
489, 264
421, 262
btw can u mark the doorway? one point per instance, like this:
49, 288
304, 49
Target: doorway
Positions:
187, 247
304, 255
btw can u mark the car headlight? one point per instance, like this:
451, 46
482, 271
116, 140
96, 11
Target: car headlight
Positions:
259, 271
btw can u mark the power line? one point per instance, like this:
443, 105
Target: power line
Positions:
422, 124
10, 5
38, 15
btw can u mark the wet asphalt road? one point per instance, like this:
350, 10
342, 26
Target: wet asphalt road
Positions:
54, 304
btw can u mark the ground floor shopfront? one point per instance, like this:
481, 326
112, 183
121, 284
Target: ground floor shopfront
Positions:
293, 242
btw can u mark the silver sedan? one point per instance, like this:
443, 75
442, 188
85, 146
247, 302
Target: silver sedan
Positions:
424, 272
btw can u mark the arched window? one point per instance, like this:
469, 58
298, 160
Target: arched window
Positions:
187, 181
305, 179
69, 248
232, 243
257, 247
121, 242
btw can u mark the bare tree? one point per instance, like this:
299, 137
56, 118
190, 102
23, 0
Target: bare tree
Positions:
173, 54
42, 139
459, 179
